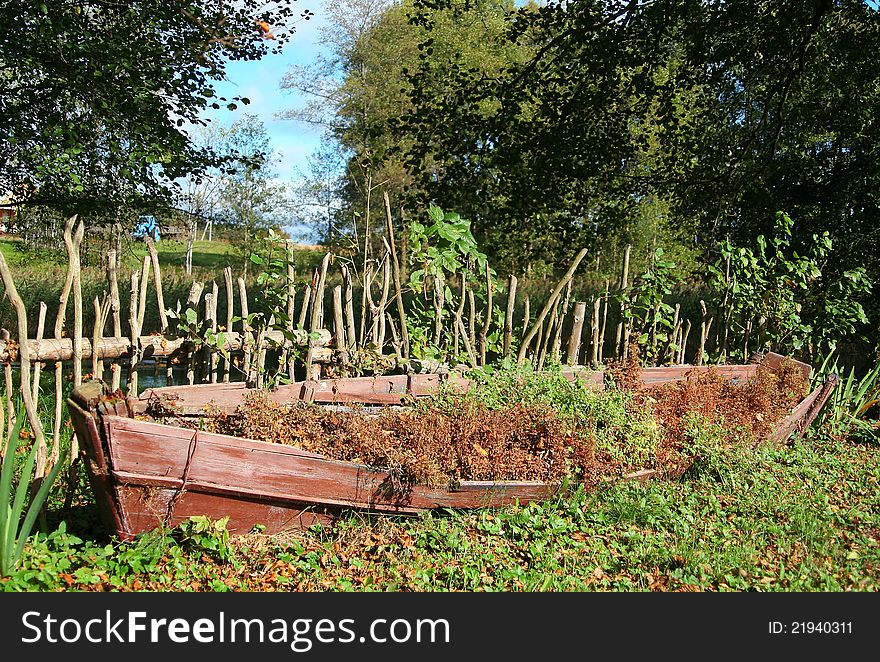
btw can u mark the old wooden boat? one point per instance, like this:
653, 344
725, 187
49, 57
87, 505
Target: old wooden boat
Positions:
146, 474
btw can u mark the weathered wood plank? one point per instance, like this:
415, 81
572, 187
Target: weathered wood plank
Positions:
154, 454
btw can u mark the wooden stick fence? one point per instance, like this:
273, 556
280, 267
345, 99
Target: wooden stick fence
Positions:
301, 340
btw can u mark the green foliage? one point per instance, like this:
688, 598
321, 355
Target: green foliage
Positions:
199, 333
705, 443
854, 407
202, 534
442, 251
566, 124
777, 298
97, 94
647, 313
272, 259
14, 531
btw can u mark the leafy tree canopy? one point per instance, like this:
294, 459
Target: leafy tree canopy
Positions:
96, 96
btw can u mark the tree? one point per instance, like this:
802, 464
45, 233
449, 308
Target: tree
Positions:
95, 96
361, 90
318, 196
252, 198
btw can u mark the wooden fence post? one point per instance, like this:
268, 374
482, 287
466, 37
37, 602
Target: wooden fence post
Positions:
339, 329
577, 328
192, 301
134, 352
30, 406
508, 314
398, 288
624, 283
597, 342
348, 309
705, 326
38, 365
230, 313
556, 291
487, 317
317, 313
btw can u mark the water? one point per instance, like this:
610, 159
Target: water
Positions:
151, 374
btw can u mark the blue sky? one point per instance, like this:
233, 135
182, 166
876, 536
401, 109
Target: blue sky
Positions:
260, 81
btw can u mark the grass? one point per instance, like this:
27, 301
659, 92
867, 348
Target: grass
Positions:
801, 518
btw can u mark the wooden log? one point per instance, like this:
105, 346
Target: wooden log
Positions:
320, 293
142, 293
287, 357
348, 308
705, 326
472, 356
140, 307
133, 349
71, 243
212, 315
487, 316
261, 352
458, 327
247, 338
113, 284
573, 349
508, 315
77, 328
601, 353
7, 374
439, 301
556, 345
102, 311
383, 302
192, 301
621, 342
543, 314
544, 336
594, 326
49, 349
230, 313
303, 312
339, 330
527, 316
395, 337
367, 309
157, 277
684, 339
472, 316
398, 288
38, 365
36, 426
317, 310
726, 314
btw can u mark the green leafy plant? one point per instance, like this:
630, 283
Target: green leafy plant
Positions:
199, 333
15, 531
779, 299
646, 313
853, 407
272, 259
203, 534
443, 251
